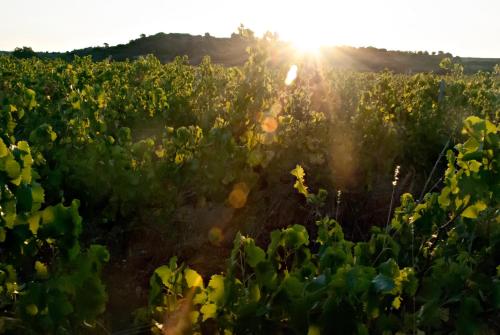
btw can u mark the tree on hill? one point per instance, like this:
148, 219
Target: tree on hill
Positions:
24, 52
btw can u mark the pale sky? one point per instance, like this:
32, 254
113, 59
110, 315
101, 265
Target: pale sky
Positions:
464, 28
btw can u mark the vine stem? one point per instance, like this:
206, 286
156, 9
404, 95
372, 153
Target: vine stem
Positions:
394, 184
433, 170
390, 208
437, 235
384, 249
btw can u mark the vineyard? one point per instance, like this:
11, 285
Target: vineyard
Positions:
279, 197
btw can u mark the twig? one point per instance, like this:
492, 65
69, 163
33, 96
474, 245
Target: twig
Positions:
440, 230
433, 170
339, 194
394, 184
435, 184
104, 328
390, 209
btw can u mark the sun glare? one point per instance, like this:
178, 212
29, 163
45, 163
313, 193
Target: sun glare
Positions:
307, 44
314, 24
291, 75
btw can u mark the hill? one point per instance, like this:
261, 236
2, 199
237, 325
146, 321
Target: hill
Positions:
227, 51
232, 52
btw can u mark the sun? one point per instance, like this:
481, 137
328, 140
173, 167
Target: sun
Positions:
306, 45
309, 26
304, 41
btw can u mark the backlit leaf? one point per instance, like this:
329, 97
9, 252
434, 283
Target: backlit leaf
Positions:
208, 311
193, 279
473, 211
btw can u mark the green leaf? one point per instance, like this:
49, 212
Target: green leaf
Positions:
37, 193
254, 292
383, 283
12, 168
41, 270
474, 126
216, 286
471, 145
300, 185
358, 278
389, 268
4, 151
193, 316
209, 311
165, 273
275, 242
60, 307
26, 176
296, 236
32, 95
193, 279
253, 254
444, 197
396, 303
34, 223
475, 155
473, 211
32, 309
474, 165
24, 146
266, 274
490, 127
293, 287
313, 330
99, 253
298, 172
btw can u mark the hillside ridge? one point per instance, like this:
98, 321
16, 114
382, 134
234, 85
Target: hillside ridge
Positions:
231, 51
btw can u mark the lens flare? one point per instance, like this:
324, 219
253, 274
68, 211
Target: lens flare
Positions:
180, 320
238, 196
291, 75
215, 236
269, 124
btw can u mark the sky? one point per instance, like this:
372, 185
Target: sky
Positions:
464, 28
